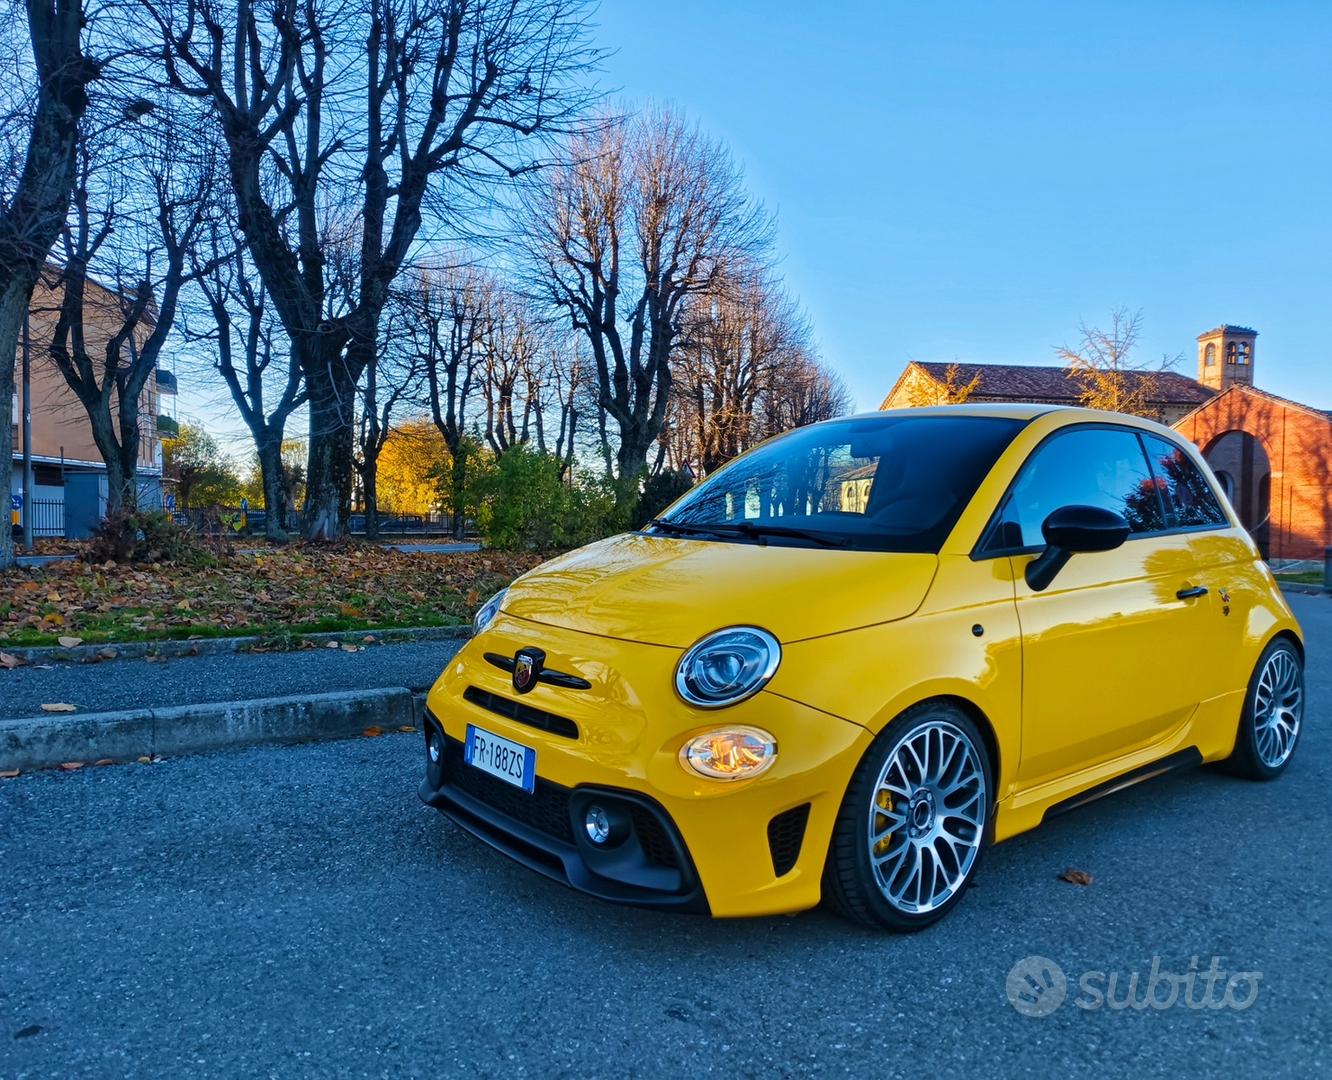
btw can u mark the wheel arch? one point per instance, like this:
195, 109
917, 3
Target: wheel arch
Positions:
977, 715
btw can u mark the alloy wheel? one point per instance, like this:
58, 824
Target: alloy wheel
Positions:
927, 817
1277, 706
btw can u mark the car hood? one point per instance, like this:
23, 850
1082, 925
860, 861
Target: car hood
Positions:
671, 591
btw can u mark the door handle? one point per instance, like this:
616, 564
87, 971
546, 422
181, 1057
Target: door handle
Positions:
1191, 594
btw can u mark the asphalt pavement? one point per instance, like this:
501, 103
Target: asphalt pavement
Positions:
134, 684
295, 911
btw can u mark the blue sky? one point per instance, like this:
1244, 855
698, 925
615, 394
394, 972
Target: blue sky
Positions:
969, 180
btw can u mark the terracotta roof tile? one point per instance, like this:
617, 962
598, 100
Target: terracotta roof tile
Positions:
1048, 382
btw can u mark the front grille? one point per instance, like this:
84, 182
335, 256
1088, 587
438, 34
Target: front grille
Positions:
786, 832
546, 809
523, 714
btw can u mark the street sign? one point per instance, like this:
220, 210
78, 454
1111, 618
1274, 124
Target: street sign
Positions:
16, 502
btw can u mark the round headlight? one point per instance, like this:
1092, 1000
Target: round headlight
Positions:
730, 753
728, 666
489, 610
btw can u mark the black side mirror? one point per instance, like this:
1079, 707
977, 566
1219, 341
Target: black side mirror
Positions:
1069, 531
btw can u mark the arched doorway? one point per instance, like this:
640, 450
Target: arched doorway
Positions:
1241, 464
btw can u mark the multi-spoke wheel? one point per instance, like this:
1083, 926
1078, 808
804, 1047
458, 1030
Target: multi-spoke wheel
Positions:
1270, 723
913, 822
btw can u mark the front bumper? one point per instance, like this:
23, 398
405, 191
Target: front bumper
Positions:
648, 867
746, 848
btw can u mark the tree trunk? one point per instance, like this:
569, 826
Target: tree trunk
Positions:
13, 304
329, 471
38, 205
273, 474
370, 488
630, 465
116, 502
457, 491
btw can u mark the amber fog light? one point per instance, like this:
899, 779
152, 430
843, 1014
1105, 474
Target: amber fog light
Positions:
733, 753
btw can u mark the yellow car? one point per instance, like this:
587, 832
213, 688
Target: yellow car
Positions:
853, 657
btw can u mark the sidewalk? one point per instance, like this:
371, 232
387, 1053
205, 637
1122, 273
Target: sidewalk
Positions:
139, 684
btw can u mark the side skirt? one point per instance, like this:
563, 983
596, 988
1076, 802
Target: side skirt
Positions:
1188, 758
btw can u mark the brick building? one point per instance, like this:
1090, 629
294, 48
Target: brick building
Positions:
923, 383
62, 439
1273, 456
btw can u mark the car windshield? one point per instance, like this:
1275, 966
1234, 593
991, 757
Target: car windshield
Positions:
877, 483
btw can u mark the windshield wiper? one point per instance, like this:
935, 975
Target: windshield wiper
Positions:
752, 529
688, 528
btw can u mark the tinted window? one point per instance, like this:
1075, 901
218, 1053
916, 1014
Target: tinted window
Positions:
1190, 501
1081, 467
879, 483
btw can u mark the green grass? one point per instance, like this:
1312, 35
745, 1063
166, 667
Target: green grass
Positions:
1305, 577
114, 631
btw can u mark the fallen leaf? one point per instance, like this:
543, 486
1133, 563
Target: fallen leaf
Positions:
349, 611
59, 706
406, 727
332, 645
11, 661
104, 761
372, 732
70, 766
183, 605
145, 760
108, 653
350, 648
9, 774
155, 659
1076, 877
369, 639
69, 642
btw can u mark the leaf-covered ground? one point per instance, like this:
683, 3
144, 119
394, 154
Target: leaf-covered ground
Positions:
273, 592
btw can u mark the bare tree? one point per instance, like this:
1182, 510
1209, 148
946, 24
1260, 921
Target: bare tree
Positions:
250, 348
1102, 365
35, 196
136, 212
391, 380
449, 309
513, 355
740, 343
805, 392
648, 214
366, 105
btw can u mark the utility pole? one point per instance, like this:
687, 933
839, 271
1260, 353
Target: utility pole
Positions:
27, 435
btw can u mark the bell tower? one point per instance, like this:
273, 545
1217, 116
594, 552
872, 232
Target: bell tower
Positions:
1225, 356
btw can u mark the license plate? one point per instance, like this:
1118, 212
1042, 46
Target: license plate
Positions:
512, 762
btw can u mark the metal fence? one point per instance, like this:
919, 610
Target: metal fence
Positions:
48, 520
233, 519
48, 517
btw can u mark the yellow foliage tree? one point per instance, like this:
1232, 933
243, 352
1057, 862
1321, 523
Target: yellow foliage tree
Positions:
413, 459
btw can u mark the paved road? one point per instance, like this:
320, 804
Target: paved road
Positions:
133, 684
295, 911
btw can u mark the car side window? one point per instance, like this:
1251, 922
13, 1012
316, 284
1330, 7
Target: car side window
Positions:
1099, 466
1190, 501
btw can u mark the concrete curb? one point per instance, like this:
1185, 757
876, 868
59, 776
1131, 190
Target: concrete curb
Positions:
136, 650
44, 741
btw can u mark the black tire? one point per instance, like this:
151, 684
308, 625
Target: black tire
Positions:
1262, 753
851, 886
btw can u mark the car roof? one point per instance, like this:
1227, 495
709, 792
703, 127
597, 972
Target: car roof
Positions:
1064, 414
